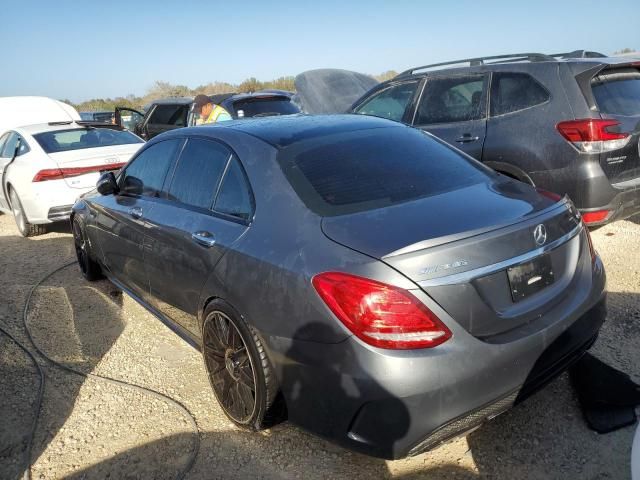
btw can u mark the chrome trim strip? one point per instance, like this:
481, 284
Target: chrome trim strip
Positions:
465, 277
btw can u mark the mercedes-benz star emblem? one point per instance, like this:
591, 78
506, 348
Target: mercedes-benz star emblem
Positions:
540, 235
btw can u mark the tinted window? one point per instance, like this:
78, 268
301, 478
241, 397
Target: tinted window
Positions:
511, 92
79, 138
146, 173
10, 143
618, 92
170, 115
362, 170
453, 99
390, 103
198, 172
262, 107
234, 197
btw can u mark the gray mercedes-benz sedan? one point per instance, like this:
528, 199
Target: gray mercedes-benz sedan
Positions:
356, 276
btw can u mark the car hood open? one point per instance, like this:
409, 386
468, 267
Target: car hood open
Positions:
331, 90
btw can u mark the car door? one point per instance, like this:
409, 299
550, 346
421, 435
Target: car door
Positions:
165, 117
120, 226
208, 207
8, 143
454, 108
129, 118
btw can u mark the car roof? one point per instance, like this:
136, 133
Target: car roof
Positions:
283, 131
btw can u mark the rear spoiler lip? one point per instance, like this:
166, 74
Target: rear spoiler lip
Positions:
563, 203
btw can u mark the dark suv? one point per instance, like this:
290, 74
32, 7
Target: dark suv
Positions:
175, 112
567, 125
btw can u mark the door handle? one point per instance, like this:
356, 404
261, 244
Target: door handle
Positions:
205, 239
467, 138
135, 212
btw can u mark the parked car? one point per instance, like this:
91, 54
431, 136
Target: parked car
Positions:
355, 275
569, 125
45, 167
103, 116
171, 113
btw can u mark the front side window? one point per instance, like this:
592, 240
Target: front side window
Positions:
234, 197
146, 173
452, 99
511, 92
81, 138
175, 115
198, 173
390, 103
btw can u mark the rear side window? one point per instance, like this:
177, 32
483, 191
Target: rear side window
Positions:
170, 115
263, 107
234, 197
10, 143
452, 99
618, 92
146, 173
511, 92
367, 169
198, 173
390, 103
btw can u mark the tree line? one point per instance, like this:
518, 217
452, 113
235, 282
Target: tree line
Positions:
162, 89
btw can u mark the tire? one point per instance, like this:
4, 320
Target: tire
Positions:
240, 374
25, 228
89, 268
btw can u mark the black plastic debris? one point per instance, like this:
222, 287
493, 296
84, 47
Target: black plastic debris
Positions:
608, 397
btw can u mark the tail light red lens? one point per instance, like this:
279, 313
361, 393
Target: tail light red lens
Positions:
59, 173
593, 135
592, 250
381, 315
595, 217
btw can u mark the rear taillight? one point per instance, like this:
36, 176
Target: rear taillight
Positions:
592, 251
593, 135
595, 217
59, 173
381, 315
550, 195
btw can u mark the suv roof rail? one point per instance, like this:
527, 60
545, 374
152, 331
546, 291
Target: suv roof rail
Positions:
477, 61
579, 54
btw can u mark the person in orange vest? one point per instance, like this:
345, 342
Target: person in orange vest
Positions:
208, 111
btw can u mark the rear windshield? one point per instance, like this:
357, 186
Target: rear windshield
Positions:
363, 170
618, 92
263, 107
79, 138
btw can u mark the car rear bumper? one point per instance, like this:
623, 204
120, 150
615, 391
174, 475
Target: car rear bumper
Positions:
49, 201
392, 404
625, 202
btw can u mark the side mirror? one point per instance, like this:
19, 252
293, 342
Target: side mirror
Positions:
107, 184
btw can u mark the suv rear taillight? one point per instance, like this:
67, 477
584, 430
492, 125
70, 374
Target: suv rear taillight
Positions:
593, 135
379, 314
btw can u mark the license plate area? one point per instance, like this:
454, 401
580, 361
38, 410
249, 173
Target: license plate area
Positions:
531, 277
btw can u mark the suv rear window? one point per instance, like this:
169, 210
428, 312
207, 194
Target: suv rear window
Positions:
618, 92
511, 92
263, 107
167, 114
363, 170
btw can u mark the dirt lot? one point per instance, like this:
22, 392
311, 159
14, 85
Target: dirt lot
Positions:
89, 428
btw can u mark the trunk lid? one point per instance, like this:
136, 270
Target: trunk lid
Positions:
460, 245
617, 94
331, 90
82, 168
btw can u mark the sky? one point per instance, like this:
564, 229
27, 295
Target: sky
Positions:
79, 50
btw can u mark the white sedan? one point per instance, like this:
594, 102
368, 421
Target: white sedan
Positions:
45, 168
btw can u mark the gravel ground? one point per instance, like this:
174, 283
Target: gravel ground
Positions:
89, 428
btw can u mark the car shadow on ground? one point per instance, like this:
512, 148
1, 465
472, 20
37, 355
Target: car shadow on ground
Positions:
522, 443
